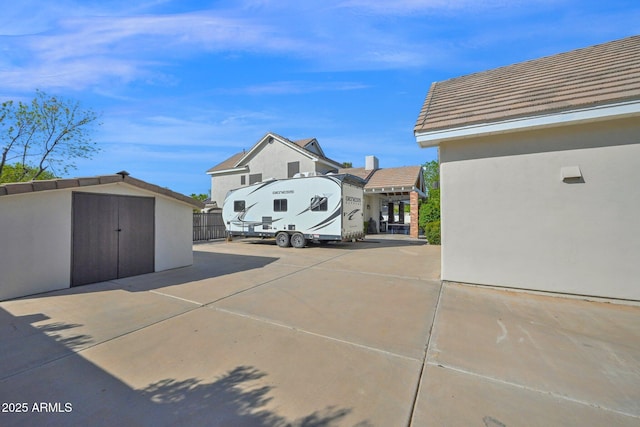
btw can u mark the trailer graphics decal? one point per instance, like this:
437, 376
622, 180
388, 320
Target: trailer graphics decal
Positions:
316, 202
327, 221
261, 186
239, 219
351, 214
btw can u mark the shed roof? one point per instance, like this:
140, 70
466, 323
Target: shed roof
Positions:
58, 184
602, 74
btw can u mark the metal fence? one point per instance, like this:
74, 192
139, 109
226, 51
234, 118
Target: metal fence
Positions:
207, 226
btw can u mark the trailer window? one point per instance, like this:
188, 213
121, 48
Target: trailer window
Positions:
319, 203
280, 205
238, 205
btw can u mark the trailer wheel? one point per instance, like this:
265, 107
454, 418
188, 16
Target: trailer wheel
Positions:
298, 240
282, 239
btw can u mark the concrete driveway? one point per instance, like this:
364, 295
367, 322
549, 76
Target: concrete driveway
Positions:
352, 334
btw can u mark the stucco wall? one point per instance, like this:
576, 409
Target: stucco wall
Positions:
271, 161
35, 237
35, 243
508, 219
221, 184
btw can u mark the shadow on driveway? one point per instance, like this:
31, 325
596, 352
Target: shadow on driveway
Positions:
206, 265
76, 392
374, 241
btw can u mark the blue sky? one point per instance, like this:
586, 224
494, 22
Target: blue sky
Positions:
182, 85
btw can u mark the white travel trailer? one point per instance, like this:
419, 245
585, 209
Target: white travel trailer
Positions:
307, 207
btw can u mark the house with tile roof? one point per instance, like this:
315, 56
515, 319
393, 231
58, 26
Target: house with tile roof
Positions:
539, 172
387, 187
273, 156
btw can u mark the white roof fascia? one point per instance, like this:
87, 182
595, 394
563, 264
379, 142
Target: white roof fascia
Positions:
270, 135
327, 162
394, 190
255, 147
592, 114
228, 171
317, 145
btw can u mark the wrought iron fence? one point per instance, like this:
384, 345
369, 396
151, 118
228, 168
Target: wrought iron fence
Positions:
208, 226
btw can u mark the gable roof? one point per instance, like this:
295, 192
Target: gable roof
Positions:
390, 180
405, 176
604, 74
229, 163
237, 160
359, 172
121, 177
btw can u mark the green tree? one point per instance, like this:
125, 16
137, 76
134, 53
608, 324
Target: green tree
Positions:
347, 165
431, 172
19, 172
46, 135
201, 197
429, 214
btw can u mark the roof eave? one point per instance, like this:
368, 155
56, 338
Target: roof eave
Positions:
327, 161
571, 117
395, 189
227, 171
279, 138
81, 183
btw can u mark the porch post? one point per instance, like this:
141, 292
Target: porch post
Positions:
413, 226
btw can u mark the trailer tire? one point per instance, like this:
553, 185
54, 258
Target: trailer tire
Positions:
282, 239
298, 240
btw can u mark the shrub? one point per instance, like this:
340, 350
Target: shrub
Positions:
432, 232
430, 210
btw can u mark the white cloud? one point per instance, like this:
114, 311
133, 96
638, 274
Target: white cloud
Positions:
295, 88
406, 7
84, 51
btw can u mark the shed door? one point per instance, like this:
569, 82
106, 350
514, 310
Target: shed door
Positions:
113, 237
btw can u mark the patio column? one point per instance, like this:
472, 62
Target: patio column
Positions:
390, 215
413, 203
401, 213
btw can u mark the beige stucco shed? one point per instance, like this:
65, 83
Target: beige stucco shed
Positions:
66, 232
539, 172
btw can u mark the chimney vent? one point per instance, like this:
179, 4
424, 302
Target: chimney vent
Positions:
371, 163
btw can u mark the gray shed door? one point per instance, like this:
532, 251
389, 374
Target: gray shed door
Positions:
113, 237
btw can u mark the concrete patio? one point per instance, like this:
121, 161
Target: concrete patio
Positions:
351, 334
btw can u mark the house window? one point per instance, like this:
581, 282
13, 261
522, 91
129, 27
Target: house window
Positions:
256, 177
243, 180
238, 205
280, 205
292, 169
318, 204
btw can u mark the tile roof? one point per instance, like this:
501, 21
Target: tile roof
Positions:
359, 172
406, 176
387, 178
58, 184
601, 74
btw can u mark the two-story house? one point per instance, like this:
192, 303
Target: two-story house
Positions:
273, 156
